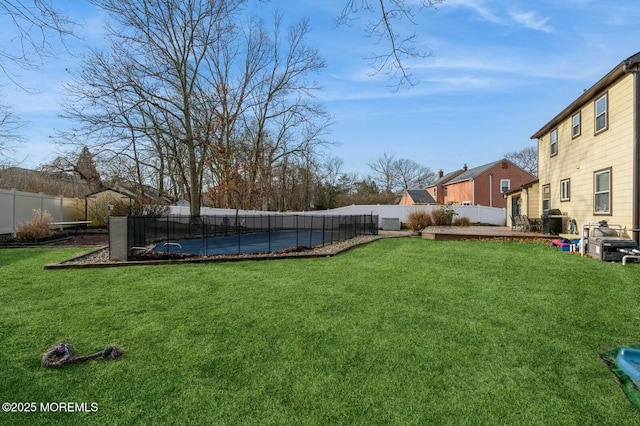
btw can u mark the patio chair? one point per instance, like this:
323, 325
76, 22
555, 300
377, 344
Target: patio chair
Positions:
535, 224
520, 223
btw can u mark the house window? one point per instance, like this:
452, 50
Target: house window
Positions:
602, 192
505, 185
435, 191
554, 142
565, 190
575, 125
601, 113
444, 191
546, 197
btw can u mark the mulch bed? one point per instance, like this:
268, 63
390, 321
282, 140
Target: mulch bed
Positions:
99, 239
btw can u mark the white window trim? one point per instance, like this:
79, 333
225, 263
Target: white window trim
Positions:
574, 126
596, 192
553, 142
508, 181
546, 187
605, 113
565, 190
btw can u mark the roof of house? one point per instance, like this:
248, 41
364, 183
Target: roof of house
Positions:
445, 178
421, 196
120, 191
631, 63
148, 192
521, 187
471, 174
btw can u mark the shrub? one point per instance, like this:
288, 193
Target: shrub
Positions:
443, 216
98, 212
36, 228
419, 220
462, 221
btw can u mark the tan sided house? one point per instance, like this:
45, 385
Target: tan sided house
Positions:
589, 154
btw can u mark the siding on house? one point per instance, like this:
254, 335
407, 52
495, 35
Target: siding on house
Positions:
529, 201
460, 193
436, 189
578, 158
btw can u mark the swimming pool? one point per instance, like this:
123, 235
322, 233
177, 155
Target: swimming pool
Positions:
255, 242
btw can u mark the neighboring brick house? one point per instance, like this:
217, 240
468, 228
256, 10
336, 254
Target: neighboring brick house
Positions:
416, 196
436, 189
485, 185
589, 154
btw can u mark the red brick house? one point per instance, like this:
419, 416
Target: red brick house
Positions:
484, 185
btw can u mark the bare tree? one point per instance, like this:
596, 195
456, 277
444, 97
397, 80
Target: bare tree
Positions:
268, 122
9, 125
190, 96
40, 31
410, 174
154, 90
526, 158
387, 15
384, 172
393, 175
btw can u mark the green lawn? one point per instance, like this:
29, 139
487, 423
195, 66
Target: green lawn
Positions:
401, 331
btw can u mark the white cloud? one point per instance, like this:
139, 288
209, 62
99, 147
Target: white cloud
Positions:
531, 21
463, 82
481, 8
477, 6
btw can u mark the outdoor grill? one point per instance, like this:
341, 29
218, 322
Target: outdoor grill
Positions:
605, 244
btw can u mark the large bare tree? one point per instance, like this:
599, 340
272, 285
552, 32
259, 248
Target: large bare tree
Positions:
187, 94
410, 174
152, 91
393, 175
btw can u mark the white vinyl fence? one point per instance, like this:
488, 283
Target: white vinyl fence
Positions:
17, 207
476, 214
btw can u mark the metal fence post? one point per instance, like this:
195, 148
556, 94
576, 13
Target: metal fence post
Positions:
204, 233
269, 230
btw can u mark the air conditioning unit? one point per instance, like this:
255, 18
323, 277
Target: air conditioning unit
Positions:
390, 223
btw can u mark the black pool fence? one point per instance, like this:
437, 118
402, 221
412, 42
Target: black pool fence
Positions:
171, 232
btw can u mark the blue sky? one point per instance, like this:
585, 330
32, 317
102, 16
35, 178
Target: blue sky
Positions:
499, 71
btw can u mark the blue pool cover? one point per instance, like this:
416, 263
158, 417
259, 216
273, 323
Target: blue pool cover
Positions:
259, 242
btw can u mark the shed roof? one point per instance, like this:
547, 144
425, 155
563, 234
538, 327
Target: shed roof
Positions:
420, 196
